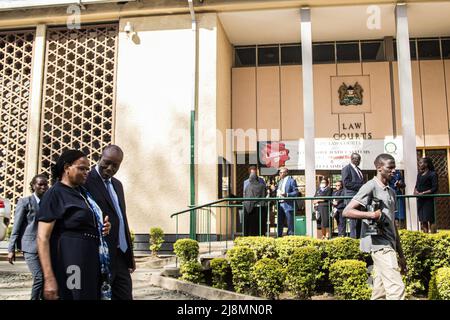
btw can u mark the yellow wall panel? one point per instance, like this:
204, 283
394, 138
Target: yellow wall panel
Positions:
291, 103
268, 100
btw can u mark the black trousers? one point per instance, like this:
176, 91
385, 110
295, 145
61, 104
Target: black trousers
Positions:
253, 222
122, 286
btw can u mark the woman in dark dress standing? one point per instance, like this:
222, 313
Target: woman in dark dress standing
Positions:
72, 250
323, 206
427, 183
255, 214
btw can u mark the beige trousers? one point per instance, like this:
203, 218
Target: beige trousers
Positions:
387, 281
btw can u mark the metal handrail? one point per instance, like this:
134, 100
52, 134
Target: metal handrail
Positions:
436, 195
267, 206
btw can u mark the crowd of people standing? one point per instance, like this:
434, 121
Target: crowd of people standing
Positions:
328, 211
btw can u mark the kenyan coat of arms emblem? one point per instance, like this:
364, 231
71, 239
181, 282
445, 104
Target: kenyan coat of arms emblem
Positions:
350, 95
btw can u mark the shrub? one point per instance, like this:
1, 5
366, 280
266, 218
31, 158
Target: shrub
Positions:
417, 248
186, 250
219, 269
340, 249
349, 279
241, 261
439, 288
303, 271
269, 276
440, 256
132, 236
192, 271
156, 239
263, 247
286, 246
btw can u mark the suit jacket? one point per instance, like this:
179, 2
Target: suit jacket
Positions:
96, 187
340, 202
291, 190
23, 235
351, 180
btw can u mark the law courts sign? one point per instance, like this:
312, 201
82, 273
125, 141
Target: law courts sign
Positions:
331, 154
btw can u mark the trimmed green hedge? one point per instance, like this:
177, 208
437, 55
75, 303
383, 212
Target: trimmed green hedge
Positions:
219, 270
156, 240
424, 254
440, 285
440, 256
186, 250
417, 248
263, 247
303, 271
286, 246
269, 277
241, 261
341, 249
191, 271
349, 279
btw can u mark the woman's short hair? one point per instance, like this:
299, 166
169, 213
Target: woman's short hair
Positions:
67, 157
34, 180
429, 163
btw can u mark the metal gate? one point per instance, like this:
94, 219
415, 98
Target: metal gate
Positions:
79, 92
16, 53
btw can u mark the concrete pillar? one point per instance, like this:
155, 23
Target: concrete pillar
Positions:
407, 111
308, 112
34, 115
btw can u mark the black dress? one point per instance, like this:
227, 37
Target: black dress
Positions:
324, 207
255, 213
425, 206
74, 243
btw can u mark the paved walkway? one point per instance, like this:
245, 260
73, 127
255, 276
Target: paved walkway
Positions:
15, 284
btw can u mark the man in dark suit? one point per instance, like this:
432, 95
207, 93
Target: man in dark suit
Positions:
23, 235
353, 179
108, 193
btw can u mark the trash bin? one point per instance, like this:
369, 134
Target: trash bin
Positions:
300, 226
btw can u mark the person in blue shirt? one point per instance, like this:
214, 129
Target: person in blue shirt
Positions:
397, 184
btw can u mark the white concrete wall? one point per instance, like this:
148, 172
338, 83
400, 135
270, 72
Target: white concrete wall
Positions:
154, 84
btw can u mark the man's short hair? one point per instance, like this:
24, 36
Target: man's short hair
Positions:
382, 158
283, 169
355, 154
114, 148
252, 167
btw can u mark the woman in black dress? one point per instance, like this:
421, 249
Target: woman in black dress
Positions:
255, 214
323, 206
427, 183
74, 260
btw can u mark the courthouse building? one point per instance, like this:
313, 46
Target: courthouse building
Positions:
195, 91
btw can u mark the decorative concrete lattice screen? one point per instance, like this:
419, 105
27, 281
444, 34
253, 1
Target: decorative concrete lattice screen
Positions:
16, 53
78, 107
439, 158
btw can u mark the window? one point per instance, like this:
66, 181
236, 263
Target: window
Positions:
347, 52
268, 56
245, 57
372, 51
291, 54
445, 48
429, 49
412, 49
323, 53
